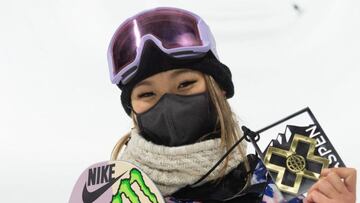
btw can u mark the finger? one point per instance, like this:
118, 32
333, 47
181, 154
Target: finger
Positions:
325, 171
348, 174
307, 201
336, 182
343, 172
326, 188
316, 196
313, 187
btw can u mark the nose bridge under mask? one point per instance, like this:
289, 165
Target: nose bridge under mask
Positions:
175, 99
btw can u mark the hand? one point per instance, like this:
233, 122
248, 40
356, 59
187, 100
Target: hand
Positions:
336, 185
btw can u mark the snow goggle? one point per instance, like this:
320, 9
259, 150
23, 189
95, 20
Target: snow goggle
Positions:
177, 32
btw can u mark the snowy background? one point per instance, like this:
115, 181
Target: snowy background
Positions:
59, 112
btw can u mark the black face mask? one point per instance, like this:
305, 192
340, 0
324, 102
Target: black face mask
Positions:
177, 120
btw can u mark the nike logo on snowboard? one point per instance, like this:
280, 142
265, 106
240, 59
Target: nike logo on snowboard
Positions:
89, 197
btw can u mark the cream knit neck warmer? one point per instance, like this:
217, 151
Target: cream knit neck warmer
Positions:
172, 168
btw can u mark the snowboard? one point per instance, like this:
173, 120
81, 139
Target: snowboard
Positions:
115, 182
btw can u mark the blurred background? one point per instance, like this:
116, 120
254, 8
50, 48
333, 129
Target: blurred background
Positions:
59, 112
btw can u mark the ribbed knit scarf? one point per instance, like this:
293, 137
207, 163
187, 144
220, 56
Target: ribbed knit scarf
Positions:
172, 168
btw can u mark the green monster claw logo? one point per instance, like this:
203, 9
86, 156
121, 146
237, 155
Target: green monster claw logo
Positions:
125, 188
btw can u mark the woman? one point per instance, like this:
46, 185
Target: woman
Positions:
175, 89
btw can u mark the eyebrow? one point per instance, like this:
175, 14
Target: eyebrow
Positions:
180, 71
175, 73
144, 82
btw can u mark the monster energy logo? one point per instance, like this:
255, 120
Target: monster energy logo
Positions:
126, 190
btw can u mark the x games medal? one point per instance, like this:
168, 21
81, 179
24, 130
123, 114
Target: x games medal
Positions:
293, 162
115, 182
297, 155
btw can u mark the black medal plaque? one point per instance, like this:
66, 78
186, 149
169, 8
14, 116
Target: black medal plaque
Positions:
297, 153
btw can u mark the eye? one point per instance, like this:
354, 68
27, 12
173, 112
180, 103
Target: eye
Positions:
186, 83
145, 94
